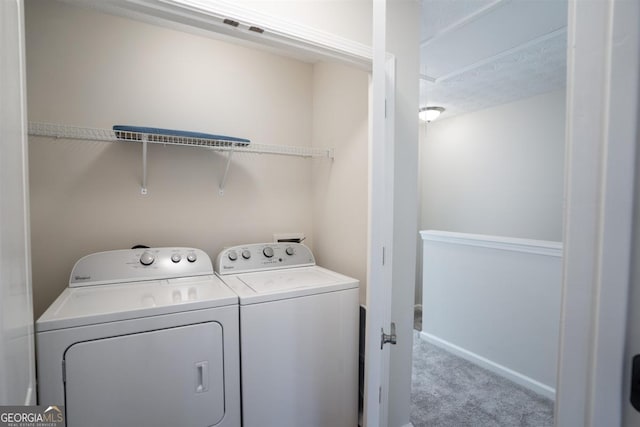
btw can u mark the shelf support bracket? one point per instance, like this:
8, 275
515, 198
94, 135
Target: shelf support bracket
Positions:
143, 189
223, 180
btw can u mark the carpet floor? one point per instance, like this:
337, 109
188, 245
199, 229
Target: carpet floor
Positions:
448, 391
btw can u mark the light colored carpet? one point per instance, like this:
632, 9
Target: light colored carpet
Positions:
448, 391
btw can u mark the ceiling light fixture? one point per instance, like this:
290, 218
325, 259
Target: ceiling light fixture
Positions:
429, 114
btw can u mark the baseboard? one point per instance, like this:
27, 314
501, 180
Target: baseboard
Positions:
494, 367
30, 397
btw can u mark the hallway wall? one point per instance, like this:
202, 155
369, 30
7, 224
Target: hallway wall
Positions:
498, 171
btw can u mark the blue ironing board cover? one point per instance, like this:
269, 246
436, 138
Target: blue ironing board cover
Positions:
180, 133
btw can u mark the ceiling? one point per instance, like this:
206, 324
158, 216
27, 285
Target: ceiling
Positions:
476, 54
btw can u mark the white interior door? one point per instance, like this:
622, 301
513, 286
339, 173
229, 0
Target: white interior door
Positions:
379, 268
16, 318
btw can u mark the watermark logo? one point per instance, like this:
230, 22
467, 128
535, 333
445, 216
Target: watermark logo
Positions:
31, 416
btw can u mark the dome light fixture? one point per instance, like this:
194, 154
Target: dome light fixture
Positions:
429, 114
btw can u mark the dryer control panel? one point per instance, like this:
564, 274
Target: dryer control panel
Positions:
129, 265
263, 256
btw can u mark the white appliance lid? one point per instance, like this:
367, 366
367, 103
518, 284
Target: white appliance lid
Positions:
284, 280
287, 283
89, 305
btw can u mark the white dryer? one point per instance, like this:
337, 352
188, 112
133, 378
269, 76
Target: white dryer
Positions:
298, 335
145, 337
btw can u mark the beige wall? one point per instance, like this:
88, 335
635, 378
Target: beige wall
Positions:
94, 70
340, 187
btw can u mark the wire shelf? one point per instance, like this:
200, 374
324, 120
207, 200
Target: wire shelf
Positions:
230, 147
92, 134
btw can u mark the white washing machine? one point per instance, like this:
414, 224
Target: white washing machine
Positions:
145, 337
298, 335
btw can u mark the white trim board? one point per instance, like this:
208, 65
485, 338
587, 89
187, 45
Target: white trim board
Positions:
494, 367
200, 16
602, 113
539, 247
30, 396
283, 29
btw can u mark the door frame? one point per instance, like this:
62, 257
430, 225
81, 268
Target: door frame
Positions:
17, 347
602, 114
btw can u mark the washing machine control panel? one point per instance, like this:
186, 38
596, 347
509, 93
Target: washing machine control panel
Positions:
130, 265
262, 256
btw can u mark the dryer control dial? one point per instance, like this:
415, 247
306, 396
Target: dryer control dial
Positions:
176, 258
268, 252
192, 257
233, 255
246, 254
289, 251
147, 258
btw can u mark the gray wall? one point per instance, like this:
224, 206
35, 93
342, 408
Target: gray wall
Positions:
498, 171
495, 301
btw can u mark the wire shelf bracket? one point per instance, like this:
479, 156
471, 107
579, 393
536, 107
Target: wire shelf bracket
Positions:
143, 189
223, 180
58, 131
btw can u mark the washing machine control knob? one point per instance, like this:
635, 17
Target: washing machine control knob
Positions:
147, 258
246, 254
268, 252
232, 255
192, 257
176, 258
289, 251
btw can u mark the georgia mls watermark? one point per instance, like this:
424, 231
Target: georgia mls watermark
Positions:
31, 416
